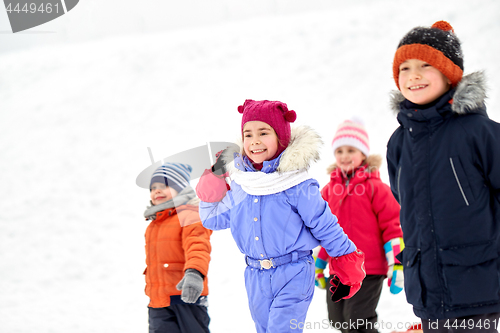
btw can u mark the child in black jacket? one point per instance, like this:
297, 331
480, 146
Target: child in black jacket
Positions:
444, 169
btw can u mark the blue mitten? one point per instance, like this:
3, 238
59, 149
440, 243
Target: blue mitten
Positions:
395, 277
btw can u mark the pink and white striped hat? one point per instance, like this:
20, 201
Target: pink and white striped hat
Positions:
352, 133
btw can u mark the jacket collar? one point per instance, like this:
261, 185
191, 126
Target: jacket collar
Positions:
302, 150
243, 163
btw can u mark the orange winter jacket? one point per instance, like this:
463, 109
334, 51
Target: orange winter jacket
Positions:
171, 249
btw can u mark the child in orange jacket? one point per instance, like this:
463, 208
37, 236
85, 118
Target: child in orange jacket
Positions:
177, 254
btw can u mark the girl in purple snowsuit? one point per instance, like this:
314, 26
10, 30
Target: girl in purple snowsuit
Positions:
277, 216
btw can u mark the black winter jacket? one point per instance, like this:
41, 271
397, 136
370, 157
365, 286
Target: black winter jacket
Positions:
444, 169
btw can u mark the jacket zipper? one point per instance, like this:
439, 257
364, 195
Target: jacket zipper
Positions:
399, 178
458, 182
346, 185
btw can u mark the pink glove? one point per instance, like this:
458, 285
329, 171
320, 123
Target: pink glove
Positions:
349, 272
212, 186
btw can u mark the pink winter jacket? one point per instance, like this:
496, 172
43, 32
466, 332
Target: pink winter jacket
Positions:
366, 210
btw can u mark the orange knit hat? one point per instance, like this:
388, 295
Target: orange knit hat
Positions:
437, 45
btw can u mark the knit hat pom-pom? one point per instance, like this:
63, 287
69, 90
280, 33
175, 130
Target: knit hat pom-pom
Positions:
443, 25
358, 120
240, 109
290, 116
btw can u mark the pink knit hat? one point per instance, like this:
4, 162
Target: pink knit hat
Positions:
273, 113
351, 133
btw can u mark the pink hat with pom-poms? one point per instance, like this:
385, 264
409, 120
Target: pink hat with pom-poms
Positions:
273, 113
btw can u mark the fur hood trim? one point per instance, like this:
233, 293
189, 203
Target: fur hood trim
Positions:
303, 149
373, 161
469, 96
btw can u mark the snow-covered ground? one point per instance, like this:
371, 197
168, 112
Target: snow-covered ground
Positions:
76, 121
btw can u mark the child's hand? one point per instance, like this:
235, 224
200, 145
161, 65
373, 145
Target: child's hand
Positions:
349, 274
338, 289
212, 186
219, 168
319, 278
395, 278
191, 285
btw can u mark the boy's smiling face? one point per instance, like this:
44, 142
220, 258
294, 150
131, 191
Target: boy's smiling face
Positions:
260, 141
421, 83
161, 193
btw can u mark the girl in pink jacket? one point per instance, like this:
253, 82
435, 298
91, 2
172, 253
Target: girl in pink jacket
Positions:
369, 215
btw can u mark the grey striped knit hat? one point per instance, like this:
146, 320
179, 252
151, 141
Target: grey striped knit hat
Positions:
174, 175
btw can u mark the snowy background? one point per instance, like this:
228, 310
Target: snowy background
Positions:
82, 97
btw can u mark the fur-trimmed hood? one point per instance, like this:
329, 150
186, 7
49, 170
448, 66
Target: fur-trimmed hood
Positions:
469, 96
373, 163
302, 150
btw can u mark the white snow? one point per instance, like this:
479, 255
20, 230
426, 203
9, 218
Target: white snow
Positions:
76, 120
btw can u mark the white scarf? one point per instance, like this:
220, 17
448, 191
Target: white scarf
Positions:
260, 183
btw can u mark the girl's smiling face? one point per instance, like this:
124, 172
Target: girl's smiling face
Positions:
161, 193
420, 83
348, 158
260, 141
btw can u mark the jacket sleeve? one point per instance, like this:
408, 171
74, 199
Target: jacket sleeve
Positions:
196, 246
216, 215
487, 146
317, 216
393, 154
386, 209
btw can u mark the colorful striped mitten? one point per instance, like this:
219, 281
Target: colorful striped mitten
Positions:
395, 276
320, 265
